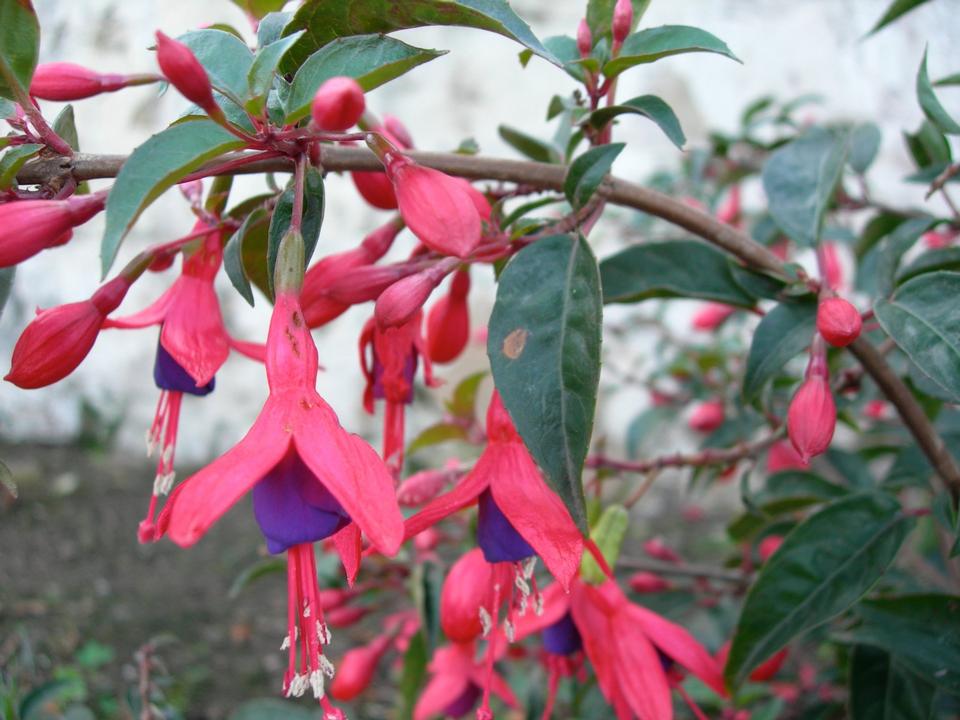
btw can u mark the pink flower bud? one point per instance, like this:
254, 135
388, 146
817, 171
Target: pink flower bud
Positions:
584, 39
768, 546
367, 283
425, 485
57, 340
181, 67
64, 82
729, 211
782, 456
712, 315
448, 322
338, 104
402, 300
830, 262
647, 582
29, 226
812, 417
468, 587
937, 239
707, 416
346, 615
838, 321
659, 550
355, 670
876, 409
622, 20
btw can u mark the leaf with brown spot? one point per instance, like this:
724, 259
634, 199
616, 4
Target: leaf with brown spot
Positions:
514, 343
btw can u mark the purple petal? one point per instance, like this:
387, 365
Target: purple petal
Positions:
168, 374
562, 638
463, 704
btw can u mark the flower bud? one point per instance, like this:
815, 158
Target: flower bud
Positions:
367, 283
57, 340
647, 582
729, 211
768, 546
425, 485
838, 321
355, 670
64, 82
346, 615
375, 187
711, 316
830, 263
622, 20
181, 67
937, 239
812, 417
29, 226
876, 409
402, 300
707, 416
584, 39
782, 456
659, 550
338, 104
448, 322
468, 587
437, 208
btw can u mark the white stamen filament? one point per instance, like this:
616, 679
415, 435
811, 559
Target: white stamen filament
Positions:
316, 683
163, 483
323, 633
538, 605
298, 686
326, 666
529, 565
509, 630
486, 622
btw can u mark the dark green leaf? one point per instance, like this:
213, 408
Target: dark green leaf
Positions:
19, 47
600, 17
6, 285
564, 48
371, 60
66, 127
649, 106
800, 179
798, 483
544, 349
947, 258
427, 585
233, 254
783, 333
889, 251
436, 434
882, 689
270, 709
929, 148
464, 400
587, 173
532, 147
676, 268
252, 573
152, 168
930, 105
225, 57
8, 109
324, 21
36, 703
414, 673
12, 160
922, 319
823, 567
650, 45
260, 8
896, 9
948, 80
864, 144
265, 62
921, 631
313, 208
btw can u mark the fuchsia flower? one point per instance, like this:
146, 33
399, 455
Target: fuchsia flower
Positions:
622, 19
448, 321
310, 480
57, 340
812, 415
181, 67
357, 667
456, 681
584, 38
338, 104
838, 321
707, 416
712, 315
65, 82
782, 456
403, 299
467, 599
374, 186
29, 226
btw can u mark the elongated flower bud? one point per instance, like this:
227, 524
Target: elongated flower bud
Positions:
181, 67
830, 263
712, 315
356, 669
436, 207
782, 456
659, 550
647, 582
64, 82
622, 20
338, 104
448, 322
838, 321
584, 39
57, 340
29, 226
707, 416
812, 415
425, 485
402, 300
375, 187
729, 211
368, 283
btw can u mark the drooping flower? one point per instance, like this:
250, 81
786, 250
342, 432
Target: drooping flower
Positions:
838, 321
65, 82
448, 321
310, 480
357, 667
374, 186
29, 226
456, 683
58, 339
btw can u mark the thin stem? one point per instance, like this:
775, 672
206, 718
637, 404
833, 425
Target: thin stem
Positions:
299, 180
710, 456
689, 570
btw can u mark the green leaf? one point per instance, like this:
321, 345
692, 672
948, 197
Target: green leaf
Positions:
889, 251
923, 321
260, 76
649, 106
19, 47
676, 268
252, 573
12, 160
881, 687
436, 434
234, 256
314, 200
527, 145
6, 285
544, 349
783, 333
152, 168
948, 80
823, 567
930, 105
464, 401
947, 258
800, 179
414, 673
225, 57
7, 109
587, 172
600, 17
608, 533
896, 9
371, 60
66, 127
324, 21
271, 27
650, 45
864, 144
790, 484
922, 631
270, 709
259, 8
929, 148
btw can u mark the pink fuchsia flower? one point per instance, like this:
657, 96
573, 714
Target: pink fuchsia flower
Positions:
65, 82
181, 67
622, 20
310, 480
374, 186
838, 321
29, 226
584, 38
405, 298
647, 582
707, 416
812, 415
448, 321
519, 515
937, 239
456, 679
782, 456
424, 486
356, 669
468, 595
711, 316
338, 104
58, 339
659, 550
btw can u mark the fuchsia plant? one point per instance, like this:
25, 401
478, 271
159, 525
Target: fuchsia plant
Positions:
790, 613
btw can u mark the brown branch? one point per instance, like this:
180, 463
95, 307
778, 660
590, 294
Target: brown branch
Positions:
549, 176
707, 572
942, 179
710, 456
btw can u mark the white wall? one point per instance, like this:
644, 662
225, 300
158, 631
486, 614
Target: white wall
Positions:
787, 48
